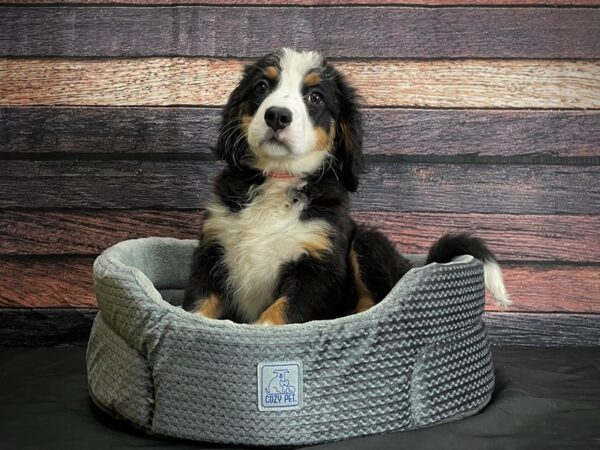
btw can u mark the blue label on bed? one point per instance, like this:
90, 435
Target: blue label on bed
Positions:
279, 385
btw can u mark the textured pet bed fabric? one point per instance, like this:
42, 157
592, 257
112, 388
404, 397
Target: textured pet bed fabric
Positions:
418, 358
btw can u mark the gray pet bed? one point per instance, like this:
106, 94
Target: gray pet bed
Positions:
418, 358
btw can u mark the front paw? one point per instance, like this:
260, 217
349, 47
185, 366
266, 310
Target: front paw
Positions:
264, 323
274, 314
210, 306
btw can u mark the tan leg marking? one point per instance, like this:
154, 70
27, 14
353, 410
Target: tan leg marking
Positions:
312, 79
271, 72
365, 298
274, 314
211, 306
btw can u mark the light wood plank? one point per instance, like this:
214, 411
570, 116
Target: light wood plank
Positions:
181, 81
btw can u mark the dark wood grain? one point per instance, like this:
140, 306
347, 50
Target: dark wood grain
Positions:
440, 83
388, 186
485, 188
319, 2
45, 327
393, 32
109, 130
52, 327
544, 330
565, 238
106, 183
44, 282
192, 131
481, 132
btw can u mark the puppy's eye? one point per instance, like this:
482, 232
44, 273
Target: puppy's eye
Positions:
261, 88
315, 98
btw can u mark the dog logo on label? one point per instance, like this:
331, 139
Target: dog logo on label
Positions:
279, 385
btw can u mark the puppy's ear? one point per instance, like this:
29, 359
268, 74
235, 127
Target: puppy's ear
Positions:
230, 144
349, 136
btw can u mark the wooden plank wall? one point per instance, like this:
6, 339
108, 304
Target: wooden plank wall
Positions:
481, 115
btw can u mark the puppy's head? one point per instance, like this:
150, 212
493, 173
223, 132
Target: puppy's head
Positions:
293, 112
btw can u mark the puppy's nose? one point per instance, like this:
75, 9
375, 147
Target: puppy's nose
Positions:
278, 118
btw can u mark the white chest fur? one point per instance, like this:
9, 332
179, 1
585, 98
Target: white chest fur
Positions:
258, 240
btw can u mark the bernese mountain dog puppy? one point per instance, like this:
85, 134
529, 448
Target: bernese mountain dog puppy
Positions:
278, 244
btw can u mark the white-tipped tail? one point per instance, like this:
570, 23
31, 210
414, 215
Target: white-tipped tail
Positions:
494, 282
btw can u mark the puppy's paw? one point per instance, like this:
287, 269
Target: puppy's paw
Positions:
264, 323
274, 314
210, 306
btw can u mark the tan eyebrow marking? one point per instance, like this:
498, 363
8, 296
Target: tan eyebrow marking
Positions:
271, 72
312, 79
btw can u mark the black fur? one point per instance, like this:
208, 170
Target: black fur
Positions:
349, 136
450, 246
381, 265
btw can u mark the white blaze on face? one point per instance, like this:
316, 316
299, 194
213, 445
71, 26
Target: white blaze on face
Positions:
294, 152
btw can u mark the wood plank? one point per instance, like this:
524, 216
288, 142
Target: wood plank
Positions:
88, 232
59, 326
511, 189
554, 289
47, 281
198, 81
544, 330
481, 132
116, 130
316, 2
45, 327
391, 32
53, 282
110, 130
511, 237
565, 238
388, 186
112, 184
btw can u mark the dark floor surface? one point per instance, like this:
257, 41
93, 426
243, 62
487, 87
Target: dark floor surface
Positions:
545, 398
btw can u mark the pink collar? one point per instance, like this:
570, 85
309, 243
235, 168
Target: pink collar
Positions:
281, 175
